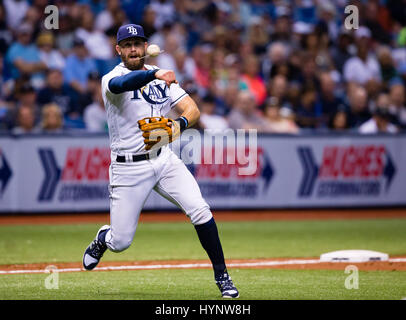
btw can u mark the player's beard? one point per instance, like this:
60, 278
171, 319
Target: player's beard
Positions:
133, 64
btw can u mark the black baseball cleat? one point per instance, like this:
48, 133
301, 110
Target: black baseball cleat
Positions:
95, 250
226, 286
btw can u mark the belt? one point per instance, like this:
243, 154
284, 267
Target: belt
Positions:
139, 157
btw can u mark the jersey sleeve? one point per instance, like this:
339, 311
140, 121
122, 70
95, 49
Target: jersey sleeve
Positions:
176, 93
106, 79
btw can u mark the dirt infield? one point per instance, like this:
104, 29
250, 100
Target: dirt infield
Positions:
253, 215
393, 264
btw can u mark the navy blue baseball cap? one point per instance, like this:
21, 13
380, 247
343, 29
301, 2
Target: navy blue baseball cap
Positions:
130, 31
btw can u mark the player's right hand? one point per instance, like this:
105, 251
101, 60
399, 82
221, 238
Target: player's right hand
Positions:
166, 75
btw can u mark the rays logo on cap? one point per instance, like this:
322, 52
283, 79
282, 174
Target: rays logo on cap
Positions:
132, 30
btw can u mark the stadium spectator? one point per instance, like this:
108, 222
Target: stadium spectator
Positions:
240, 12
6, 107
208, 118
278, 90
86, 98
202, 55
164, 11
245, 114
48, 55
94, 115
119, 18
363, 67
23, 57
33, 15
329, 100
340, 52
251, 79
166, 60
95, 6
381, 101
279, 119
15, 12
387, 66
277, 49
359, 113
397, 106
372, 22
26, 95
261, 8
294, 95
379, 123
58, 92
78, 67
65, 35
104, 66
52, 119
159, 36
294, 72
96, 42
258, 34
23, 95
229, 97
105, 19
233, 38
308, 77
148, 21
327, 19
25, 121
283, 25
309, 113
184, 65
277, 55
338, 121
6, 36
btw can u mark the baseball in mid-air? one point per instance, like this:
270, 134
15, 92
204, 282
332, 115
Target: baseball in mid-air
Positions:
153, 50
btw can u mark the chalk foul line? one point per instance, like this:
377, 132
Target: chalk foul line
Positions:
191, 266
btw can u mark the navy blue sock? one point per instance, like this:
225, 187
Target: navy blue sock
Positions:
209, 238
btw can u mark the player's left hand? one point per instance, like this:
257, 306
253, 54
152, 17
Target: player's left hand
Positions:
158, 131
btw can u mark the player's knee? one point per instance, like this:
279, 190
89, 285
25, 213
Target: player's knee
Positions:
200, 215
120, 243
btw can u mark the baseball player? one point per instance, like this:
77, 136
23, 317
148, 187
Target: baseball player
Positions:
136, 98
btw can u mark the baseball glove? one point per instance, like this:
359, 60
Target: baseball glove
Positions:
158, 131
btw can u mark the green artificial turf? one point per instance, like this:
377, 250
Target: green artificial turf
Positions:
241, 240
164, 241
257, 284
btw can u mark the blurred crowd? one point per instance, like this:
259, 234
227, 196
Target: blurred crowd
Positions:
276, 66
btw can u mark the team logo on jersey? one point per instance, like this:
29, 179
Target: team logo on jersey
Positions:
5, 173
153, 94
132, 30
355, 170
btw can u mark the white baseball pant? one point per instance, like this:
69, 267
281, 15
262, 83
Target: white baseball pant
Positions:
132, 182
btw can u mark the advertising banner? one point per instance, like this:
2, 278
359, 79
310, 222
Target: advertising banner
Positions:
70, 173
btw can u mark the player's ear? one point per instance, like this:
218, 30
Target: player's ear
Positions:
118, 49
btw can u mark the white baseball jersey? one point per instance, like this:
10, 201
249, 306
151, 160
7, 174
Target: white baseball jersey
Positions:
125, 109
132, 182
